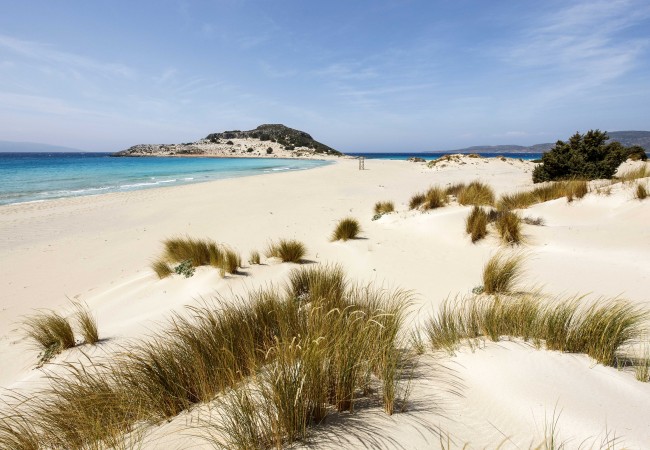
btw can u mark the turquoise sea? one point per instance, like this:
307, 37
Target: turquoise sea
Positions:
35, 177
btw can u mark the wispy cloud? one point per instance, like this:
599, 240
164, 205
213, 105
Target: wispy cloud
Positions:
47, 54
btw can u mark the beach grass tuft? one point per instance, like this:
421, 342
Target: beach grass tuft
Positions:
288, 250
476, 193
86, 323
634, 174
51, 332
641, 192
384, 207
600, 330
347, 228
254, 257
416, 201
501, 272
455, 189
476, 224
550, 191
435, 197
162, 268
508, 225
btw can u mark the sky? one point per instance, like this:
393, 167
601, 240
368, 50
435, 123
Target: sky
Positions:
363, 75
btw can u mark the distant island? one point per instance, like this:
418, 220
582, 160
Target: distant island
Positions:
627, 138
34, 147
269, 140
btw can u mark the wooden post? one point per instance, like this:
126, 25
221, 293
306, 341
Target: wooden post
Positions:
362, 163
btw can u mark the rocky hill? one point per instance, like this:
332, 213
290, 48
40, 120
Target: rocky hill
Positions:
270, 140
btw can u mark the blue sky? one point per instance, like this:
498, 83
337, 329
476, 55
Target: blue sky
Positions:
363, 75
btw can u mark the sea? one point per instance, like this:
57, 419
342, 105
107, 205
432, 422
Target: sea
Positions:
37, 177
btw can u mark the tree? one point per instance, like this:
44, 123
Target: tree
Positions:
585, 157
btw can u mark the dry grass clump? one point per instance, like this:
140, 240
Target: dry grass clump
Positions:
550, 191
599, 330
641, 192
476, 224
384, 207
434, 197
51, 333
476, 193
347, 228
634, 174
194, 253
508, 225
455, 189
281, 364
87, 324
162, 268
288, 250
501, 273
254, 257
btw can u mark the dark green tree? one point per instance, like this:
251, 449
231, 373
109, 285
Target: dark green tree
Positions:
585, 157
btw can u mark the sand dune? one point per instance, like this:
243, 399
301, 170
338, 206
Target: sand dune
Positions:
98, 249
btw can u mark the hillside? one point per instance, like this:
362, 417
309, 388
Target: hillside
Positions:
33, 147
270, 140
627, 138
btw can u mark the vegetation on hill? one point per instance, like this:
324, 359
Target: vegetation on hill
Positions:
279, 133
587, 157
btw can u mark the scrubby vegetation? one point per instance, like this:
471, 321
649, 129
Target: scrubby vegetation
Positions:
347, 228
641, 192
288, 250
476, 224
384, 207
162, 268
281, 367
586, 157
502, 272
476, 193
254, 257
87, 324
599, 330
434, 197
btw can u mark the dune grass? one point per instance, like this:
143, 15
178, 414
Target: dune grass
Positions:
86, 324
384, 207
434, 197
476, 193
600, 330
274, 356
501, 273
508, 225
416, 201
549, 191
347, 228
193, 253
162, 268
476, 224
641, 193
634, 174
288, 250
51, 332
254, 257
455, 189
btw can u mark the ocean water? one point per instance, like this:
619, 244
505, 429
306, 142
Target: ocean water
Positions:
35, 177
436, 155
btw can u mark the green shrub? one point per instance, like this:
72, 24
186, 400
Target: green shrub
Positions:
476, 224
288, 250
347, 228
586, 157
269, 150
185, 268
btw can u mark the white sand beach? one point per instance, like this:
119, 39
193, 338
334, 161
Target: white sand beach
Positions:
504, 394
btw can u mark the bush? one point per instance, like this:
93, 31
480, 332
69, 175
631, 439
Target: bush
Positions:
229, 143
476, 224
249, 150
501, 273
288, 250
585, 157
269, 150
51, 332
347, 228
476, 193
185, 268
